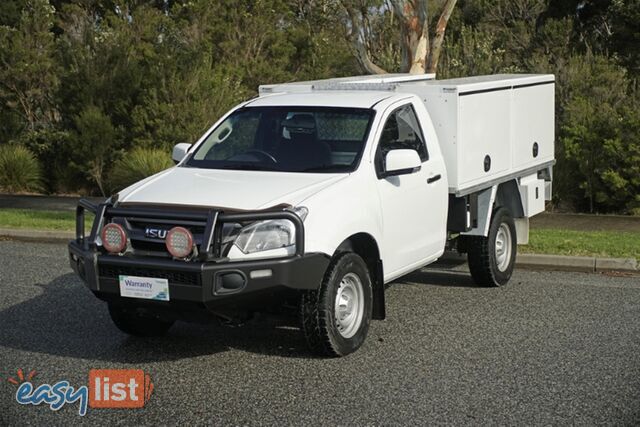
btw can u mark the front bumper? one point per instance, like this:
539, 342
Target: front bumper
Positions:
209, 283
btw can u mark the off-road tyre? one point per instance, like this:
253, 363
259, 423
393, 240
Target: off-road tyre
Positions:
325, 334
483, 257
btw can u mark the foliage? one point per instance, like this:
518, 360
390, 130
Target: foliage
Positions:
625, 38
183, 108
94, 144
52, 149
137, 165
28, 71
598, 135
420, 25
19, 170
82, 82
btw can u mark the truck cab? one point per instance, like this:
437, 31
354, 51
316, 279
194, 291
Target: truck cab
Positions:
318, 193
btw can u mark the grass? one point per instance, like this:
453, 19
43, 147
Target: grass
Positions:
541, 240
38, 220
611, 244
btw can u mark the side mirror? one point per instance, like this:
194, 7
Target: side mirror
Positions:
402, 162
179, 152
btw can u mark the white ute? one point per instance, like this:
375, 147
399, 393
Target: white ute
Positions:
321, 193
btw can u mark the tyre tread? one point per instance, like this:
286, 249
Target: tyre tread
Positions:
480, 252
315, 316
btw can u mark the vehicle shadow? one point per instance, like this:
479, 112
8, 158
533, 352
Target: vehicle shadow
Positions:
67, 320
444, 272
451, 279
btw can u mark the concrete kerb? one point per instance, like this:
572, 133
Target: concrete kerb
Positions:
541, 261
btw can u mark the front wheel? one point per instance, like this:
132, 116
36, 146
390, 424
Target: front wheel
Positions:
132, 322
492, 258
335, 318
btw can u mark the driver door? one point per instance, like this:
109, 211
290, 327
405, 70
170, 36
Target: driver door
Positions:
409, 202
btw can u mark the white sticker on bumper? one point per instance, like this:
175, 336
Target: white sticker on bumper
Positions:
144, 287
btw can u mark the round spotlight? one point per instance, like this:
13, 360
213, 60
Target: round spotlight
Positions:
114, 238
179, 242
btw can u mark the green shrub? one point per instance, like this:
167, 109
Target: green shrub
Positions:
52, 149
19, 170
138, 164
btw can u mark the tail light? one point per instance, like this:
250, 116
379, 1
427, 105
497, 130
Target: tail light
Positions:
179, 242
114, 238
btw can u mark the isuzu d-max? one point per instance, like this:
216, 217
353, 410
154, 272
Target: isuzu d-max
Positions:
321, 193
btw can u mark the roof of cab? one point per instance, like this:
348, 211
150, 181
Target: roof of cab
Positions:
347, 99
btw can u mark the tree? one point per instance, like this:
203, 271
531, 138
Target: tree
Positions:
28, 70
85, 81
10, 12
598, 149
421, 47
95, 145
626, 35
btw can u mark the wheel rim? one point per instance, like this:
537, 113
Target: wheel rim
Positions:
503, 247
349, 305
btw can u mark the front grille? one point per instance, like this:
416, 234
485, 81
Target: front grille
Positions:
145, 246
149, 246
156, 247
140, 226
178, 277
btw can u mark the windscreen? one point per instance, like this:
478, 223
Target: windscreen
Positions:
286, 139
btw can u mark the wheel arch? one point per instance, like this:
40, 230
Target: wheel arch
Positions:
508, 196
505, 195
366, 247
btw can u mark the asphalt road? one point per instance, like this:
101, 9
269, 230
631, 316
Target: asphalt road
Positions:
551, 348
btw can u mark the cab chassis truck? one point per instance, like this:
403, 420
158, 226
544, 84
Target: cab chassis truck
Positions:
321, 193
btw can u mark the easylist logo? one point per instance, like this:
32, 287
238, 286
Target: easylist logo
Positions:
107, 388
119, 388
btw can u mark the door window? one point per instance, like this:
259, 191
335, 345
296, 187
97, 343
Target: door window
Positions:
401, 131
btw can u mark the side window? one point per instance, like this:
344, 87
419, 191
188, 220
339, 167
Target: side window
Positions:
402, 130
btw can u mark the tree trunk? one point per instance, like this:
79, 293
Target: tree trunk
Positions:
358, 41
441, 27
419, 53
414, 30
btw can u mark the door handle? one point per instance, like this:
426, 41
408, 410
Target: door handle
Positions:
433, 179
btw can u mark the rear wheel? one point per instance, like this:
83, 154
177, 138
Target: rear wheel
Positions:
335, 319
131, 321
492, 258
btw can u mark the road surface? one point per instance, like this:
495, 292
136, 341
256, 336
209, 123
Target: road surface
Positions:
550, 348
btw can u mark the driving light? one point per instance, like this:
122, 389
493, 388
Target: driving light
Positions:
179, 242
114, 238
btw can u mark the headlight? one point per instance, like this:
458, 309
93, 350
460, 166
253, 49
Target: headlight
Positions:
267, 235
